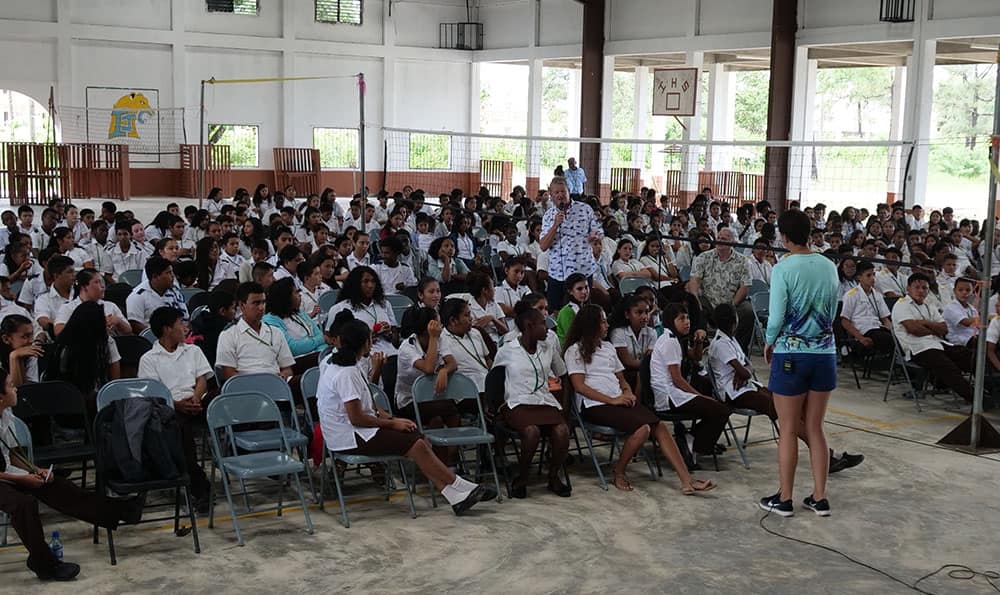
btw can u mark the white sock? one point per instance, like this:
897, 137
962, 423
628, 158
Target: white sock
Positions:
458, 490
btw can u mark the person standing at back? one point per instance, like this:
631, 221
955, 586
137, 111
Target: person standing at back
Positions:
567, 228
576, 179
802, 353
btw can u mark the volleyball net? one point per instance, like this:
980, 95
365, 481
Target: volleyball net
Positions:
833, 173
148, 132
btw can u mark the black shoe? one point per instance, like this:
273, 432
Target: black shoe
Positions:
63, 571
776, 505
489, 493
519, 492
560, 489
821, 508
846, 461
478, 494
130, 511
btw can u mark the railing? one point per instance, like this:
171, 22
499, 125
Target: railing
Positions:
732, 187
626, 179
99, 171
218, 170
497, 176
299, 167
34, 173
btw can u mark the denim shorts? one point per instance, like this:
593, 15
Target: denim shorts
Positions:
793, 374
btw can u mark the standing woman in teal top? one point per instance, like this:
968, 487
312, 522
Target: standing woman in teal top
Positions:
802, 354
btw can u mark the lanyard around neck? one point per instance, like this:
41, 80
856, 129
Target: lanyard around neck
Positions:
473, 352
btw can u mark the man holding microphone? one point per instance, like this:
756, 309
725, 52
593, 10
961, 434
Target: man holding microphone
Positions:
567, 228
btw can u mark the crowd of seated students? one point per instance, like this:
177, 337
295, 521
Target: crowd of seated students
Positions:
476, 271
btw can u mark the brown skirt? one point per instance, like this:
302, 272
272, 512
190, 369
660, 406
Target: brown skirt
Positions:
385, 442
522, 416
443, 408
624, 419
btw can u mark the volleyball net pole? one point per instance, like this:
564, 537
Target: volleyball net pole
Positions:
203, 149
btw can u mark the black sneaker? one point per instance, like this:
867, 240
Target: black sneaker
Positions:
846, 461
778, 506
821, 508
478, 494
63, 571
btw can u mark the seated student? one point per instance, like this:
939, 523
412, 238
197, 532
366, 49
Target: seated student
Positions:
207, 326
395, 277
250, 346
510, 291
428, 296
890, 281
921, 330
509, 247
604, 398
18, 348
465, 343
258, 253
22, 487
311, 286
865, 315
363, 295
263, 274
760, 268
84, 355
60, 293
672, 392
993, 338
422, 354
288, 263
577, 295
353, 424
946, 279
154, 292
64, 244
486, 313
962, 315
18, 265
442, 264
623, 265
360, 256
530, 408
125, 255
734, 377
230, 260
184, 370
89, 287
632, 336
284, 302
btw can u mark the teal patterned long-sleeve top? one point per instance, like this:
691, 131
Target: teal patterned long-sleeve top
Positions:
803, 305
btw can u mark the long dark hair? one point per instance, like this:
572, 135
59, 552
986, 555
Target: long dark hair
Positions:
57, 235
585, 330
81, 352
8, 326
279, 298
619, 318
353, 335
206, 269
257, 234
350, 290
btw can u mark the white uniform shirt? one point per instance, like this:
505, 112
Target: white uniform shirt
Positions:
470, 354
48, 305
993, 331
370, 315
409, 352
759, 270
723, 350
142, 301
134, 259
490, 309
865, 310
527, 374
509, 296
79, 256
637, 345
667, 352
228, 267
887, 282
338, 385
599, 374
242, 348
7, 433
310, 299
64, 312
101, 257
179, 371
907, 309
391, 276
959, 334
353, 261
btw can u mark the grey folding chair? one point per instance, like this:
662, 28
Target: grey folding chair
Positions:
400, 304
628, 285
760, 302
460, 388
590, 431
132, 276
23, 435
237, 408
277, 388
741, 445
147, 334
382, 401
758, 286
128, 388
914, 375
328, 299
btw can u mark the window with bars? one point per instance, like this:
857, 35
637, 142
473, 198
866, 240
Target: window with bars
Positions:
338, 147
244, 7
338, 11
242, 141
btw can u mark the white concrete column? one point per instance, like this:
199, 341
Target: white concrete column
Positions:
800, 159
658, 157
607, 124
289, 134
534, 127
721, 104
66, 92
573, 113
691, 154
894, 173
641, 109
472, 143
917, 123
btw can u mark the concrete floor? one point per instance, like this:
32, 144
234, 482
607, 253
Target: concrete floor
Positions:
908, 509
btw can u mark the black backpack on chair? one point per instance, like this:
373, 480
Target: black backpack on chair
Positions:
138, 440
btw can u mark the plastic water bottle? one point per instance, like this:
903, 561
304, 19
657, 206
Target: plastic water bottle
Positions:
56, 546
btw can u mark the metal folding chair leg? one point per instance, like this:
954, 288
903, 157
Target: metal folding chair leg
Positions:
344, 520
302, 502
739, 447
409, 489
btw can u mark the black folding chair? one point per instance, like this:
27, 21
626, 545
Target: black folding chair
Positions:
117, 293
56, 414
131, 348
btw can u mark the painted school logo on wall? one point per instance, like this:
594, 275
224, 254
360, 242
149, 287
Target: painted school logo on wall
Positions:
128, 111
